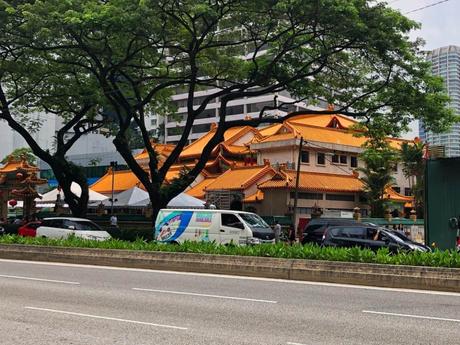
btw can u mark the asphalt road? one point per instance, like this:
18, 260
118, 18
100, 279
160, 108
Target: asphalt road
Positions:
44, 303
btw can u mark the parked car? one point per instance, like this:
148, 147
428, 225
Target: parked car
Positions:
314, 231
2, 230
373, 238
404, 238
62, 227
29, 229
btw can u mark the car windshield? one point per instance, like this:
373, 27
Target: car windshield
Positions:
393, 236
85, 226
253, 220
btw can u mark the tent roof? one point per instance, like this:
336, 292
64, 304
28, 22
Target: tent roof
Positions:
51, 196
129, 197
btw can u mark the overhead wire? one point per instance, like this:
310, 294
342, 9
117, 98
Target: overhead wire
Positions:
426, 6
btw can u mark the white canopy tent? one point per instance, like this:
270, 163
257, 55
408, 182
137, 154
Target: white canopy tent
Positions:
50, 197
128, 198
183, 200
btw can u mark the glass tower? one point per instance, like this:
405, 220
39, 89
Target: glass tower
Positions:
446, 63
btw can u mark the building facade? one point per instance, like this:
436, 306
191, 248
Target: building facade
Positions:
446, 64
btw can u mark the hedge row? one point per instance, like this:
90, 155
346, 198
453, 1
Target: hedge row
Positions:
311, 252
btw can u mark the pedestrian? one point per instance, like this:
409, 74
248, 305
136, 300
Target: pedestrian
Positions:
291, 235
114, 221
277, 231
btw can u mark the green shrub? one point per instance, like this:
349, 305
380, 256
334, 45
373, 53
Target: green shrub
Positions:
309, 252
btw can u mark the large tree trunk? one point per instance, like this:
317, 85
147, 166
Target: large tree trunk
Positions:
67, 173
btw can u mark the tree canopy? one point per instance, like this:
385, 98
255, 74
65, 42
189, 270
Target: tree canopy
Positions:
354, 54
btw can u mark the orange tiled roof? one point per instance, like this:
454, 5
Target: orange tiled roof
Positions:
240, 178
325, 135
198, 190
256, 197
312, 181
270, 130
13, 165
231, 135
161, 149
236, 149
391, 194
123, 180
320, 120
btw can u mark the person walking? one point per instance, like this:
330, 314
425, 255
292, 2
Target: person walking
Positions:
277, 231
291, 235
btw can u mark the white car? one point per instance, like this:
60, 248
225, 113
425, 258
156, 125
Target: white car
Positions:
63, 227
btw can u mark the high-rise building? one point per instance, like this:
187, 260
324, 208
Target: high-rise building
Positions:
446, 63
236, 110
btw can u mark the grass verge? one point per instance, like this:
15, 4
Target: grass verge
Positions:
438, 258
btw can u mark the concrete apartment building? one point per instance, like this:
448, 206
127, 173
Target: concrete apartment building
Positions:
446, 63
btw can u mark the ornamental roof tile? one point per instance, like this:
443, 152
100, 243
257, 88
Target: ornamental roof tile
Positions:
123, 180
312, 181
197, 191
256, 197
391, 194
240, 178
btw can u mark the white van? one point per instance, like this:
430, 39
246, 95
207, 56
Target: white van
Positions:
221, 226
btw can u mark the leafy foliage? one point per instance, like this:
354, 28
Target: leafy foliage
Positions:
20, 153
414, 170
130, 56
308, 252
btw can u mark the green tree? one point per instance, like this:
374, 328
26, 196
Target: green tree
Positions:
355, 54
379, 159
31, 83
20, 153
414, 170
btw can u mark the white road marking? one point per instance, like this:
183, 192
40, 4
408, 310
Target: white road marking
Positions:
289, 343
39, 279
105, 318
206, 295
411, 316
348, 286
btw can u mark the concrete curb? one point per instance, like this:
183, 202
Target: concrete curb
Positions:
409, 277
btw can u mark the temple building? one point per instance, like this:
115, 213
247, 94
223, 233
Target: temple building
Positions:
255, 168
18, 181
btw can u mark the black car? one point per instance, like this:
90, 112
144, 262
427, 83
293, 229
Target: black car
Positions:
314, 231
2, 230
373, 238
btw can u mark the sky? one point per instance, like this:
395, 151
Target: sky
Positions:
440, 27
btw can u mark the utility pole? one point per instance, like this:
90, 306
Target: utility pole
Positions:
113, 165
296, 192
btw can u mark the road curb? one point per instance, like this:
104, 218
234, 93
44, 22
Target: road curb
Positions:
410, 277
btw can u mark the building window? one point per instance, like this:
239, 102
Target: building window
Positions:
340, 197
407, 191
395, 167
203, 128
175, 130
320, 158
305, 157
339, 159
397, 189
307, 196
354, 162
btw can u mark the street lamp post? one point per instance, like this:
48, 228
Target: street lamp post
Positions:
113, 165
296, 191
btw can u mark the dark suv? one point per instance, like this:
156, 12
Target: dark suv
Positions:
314, 230
372, 238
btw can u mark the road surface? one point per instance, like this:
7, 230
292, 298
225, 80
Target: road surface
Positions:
47, 303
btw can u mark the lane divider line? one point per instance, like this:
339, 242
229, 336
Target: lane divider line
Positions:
410, 316
206, 295
289, 343
39, 279
105, 318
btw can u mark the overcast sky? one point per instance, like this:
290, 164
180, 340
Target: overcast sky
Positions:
440, 26
440, 23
